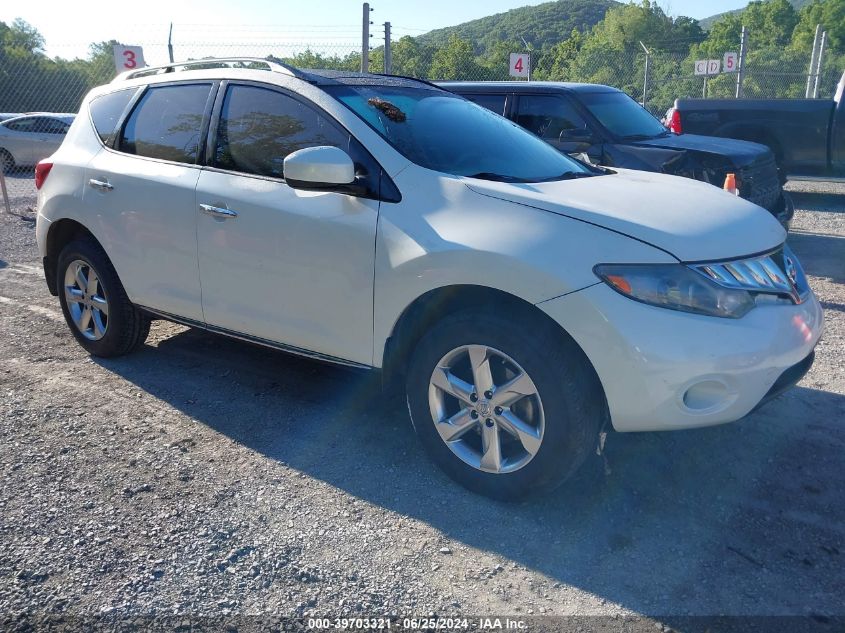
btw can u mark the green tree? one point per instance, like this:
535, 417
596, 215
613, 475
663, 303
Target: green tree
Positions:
831, 15
555, 63
611, 53
770, 25
497, 59
23, 36
411, 58
456, 60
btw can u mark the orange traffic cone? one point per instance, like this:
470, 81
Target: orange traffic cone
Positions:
730, 184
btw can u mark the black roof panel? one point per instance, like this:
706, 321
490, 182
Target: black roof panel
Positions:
520, 87
323, 77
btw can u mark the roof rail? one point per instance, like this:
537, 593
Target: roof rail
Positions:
273, 64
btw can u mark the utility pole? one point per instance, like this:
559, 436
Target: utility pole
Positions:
819, 65
812, 69
743, 52
5, 192
365, 39
645, 75
388, 53
170, 43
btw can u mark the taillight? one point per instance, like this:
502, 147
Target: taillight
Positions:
42, 170
675, 121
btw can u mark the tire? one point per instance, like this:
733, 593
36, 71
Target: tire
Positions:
7, 162
114, 326
564, 414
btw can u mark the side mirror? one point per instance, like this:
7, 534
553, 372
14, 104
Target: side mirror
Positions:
320, 168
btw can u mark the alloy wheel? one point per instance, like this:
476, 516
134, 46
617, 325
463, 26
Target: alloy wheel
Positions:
486, 409
86, 299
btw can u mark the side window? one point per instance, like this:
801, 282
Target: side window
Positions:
167, 123
46, 125
22, 125
260, 127
494, 103
106, 111
554, 119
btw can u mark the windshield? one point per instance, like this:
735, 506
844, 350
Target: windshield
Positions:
622, 116
447, 133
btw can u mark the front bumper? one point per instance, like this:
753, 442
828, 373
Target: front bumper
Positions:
663, 370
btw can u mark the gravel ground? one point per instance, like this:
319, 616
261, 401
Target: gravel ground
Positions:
203, 476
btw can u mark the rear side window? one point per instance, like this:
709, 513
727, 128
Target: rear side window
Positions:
46, 125
106, 111
494, 103
22, 125
167, 123
259, 128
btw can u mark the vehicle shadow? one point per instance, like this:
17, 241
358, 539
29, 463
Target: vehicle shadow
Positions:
818, 201
725, 520
821, 255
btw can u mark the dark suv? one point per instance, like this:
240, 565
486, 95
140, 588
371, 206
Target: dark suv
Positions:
605, 126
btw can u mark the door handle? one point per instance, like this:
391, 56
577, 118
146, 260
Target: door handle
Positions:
100, 185
217, 212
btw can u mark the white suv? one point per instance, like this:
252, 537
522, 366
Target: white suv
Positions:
524, 299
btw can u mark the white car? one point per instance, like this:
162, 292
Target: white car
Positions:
524, 300
26, 139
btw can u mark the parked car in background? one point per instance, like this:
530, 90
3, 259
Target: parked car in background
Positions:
807, 136
607, 127
524, 300
26, 139
9, 115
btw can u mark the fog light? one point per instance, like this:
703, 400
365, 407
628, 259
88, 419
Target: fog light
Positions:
707, 395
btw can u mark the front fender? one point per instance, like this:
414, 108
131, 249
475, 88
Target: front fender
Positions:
444, 234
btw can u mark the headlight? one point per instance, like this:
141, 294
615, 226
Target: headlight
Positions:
676, 287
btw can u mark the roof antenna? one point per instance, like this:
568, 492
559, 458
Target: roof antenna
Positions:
170, 43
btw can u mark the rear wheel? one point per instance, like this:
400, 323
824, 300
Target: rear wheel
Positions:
94, 303
506, 409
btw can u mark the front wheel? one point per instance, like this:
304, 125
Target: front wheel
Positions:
507, 408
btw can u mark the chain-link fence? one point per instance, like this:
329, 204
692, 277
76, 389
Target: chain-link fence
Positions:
32, 82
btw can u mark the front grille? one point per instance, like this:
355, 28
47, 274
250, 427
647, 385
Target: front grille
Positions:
759, 183
778, 272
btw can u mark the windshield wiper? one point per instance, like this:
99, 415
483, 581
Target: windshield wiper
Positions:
570, 175
644, 137
488, 175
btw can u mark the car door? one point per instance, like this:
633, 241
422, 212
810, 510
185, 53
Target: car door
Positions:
278, 264
48, 136
141, 193
555, 119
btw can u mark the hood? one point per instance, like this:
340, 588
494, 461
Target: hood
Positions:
691, 220
740, 153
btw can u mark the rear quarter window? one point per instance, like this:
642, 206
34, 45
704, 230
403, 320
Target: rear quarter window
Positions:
106, 110
167, 123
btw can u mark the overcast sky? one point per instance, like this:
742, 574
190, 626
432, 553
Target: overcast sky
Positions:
326, 24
